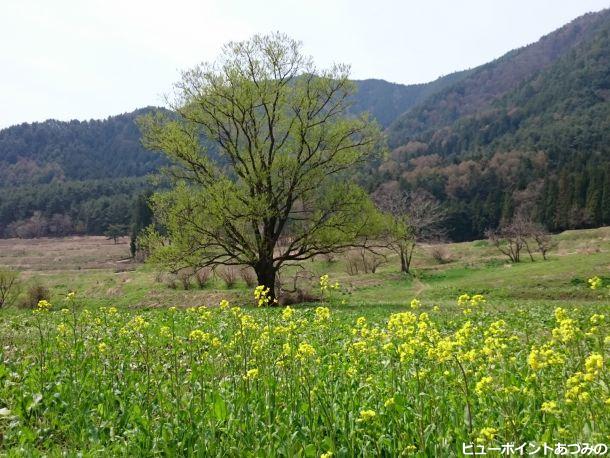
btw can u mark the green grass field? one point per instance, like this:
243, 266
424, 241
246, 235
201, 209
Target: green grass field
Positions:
367, 371
99, 271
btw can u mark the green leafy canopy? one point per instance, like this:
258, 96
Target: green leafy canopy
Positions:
263, 148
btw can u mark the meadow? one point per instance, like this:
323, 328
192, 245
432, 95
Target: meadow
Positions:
468, 351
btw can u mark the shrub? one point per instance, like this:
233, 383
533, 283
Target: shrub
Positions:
203, 277
34, 295
441, 254
184, 276
228, 275
299, 296
249, 277
159, 276
171, 281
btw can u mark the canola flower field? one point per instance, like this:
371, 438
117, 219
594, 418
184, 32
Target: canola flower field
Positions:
331, 380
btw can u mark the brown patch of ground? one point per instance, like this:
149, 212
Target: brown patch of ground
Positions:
68, 253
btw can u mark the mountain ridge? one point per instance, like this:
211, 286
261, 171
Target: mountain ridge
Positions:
544, 108
487, 82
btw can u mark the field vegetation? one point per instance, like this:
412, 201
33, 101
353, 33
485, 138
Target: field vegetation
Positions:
467, 349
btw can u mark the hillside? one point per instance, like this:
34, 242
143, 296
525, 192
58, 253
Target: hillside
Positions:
75, 150
82, 176
478, 90
386, 101
539, 148
58, 178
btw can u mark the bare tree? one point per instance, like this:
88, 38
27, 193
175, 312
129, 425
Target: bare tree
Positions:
9, 287
543, 240
512, 238
522, 228
415, 217
504, 240
364, 260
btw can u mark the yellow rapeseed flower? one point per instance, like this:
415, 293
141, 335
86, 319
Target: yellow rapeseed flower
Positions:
595, 282
550, 407
261, 294
477, 299
324, 283
305, 351
594, 363
44, 305
539, 358
251, 374
138, 323
389, 402
198, 335
322, 314
224, 304
367, 415
463, 299
487, 435
483, 386
597, 319
287, 313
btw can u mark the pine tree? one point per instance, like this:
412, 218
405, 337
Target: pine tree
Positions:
605, 199
594, 197
564, 200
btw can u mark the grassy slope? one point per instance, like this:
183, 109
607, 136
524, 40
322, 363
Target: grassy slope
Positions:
92, 266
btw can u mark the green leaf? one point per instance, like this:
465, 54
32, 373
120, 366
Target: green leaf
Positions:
220, 408
311, 450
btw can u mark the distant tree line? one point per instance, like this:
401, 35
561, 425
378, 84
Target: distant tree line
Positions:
59, 209
487, 193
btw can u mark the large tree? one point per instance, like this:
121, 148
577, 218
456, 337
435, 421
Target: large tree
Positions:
264, 155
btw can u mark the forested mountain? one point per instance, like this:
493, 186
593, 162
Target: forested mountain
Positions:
58, 178
75, 150
83, 176
528, 132
386, 101
484, 85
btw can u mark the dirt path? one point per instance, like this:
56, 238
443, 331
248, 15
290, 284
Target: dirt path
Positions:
418, 287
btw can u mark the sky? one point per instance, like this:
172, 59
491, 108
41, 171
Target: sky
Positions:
84, 59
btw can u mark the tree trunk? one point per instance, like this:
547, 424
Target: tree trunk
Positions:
265, 274
529, 251
409, 258
403, 261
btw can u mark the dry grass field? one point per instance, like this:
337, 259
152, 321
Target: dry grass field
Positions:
103, 272
69, 253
